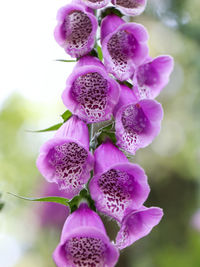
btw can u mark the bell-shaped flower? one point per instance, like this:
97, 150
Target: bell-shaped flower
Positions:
118, 186
76, 29
124, 46
151, 77
95, 4
137, 123
84, 242
130, 7
51, 214
90, 93
65, 159
137, 224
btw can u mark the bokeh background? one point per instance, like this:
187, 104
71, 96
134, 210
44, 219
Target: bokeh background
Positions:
31, 84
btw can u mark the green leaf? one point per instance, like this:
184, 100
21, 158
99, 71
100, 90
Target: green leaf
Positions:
66, 115
65, 60
99, 51
51, 128
59, 200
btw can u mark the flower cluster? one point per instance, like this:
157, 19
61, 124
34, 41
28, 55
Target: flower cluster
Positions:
120, 88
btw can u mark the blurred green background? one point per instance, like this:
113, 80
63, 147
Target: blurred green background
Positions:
28, 231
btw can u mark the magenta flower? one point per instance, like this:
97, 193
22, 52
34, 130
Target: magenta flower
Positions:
137, 224
65, 159
136, 123
151, 77
118, 186
51, 214
95, 4
130, 7
84, 242
76, 29
124, 47
90, 93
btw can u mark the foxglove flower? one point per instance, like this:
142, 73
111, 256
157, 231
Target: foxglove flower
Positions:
136, 123
84, 242
51, 214
151, 77
124, 47
95, 4
66, 159
130, 7
76, 29
137, 224
118, 186
90, 93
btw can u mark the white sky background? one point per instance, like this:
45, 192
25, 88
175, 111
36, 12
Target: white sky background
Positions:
28, 50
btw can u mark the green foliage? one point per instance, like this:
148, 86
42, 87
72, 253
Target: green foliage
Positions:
51, 128
66, 60
66, 115
99, 51
59, 200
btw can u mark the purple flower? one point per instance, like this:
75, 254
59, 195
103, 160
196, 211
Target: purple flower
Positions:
118, 186
65, 159
51, 214
90, 93
76, 29
137, 224
195, 221
136, 123
95, 4
130, 7
84, 241
124, 47
151, 77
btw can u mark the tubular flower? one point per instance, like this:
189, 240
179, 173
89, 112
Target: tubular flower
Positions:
124, 47
76, 29
90, 93
136, 123
151, 77
84, 242
51, 214
118, 186
66, 159
137, 224
130, 7
95, 4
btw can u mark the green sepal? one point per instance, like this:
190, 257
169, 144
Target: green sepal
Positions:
94, 53
109, 11
83, 195
59, 200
